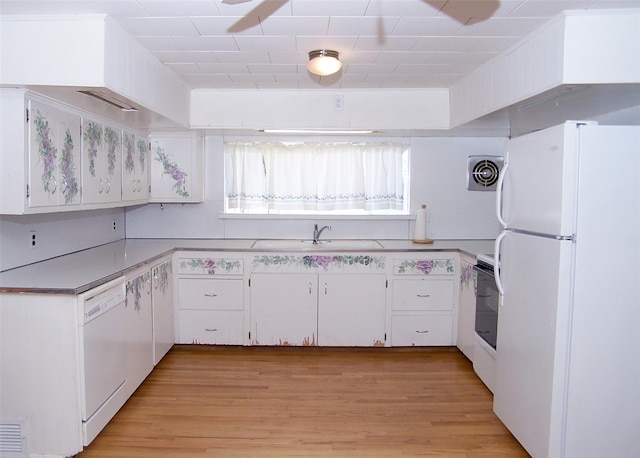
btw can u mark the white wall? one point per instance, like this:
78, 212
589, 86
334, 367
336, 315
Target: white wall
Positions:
56, 234
438, 167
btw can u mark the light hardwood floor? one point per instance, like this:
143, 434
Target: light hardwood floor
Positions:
204, 401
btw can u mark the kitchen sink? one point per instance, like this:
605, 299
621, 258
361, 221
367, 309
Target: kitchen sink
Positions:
296, 245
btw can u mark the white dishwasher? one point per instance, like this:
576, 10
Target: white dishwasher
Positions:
102, 355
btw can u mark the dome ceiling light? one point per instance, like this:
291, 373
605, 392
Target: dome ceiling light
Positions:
324, 62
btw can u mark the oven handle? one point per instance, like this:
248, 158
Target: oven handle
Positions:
496, 255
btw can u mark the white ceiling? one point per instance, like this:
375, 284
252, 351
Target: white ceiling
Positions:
382, 43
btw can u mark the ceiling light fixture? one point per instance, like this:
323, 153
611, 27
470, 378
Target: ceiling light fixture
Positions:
324, 62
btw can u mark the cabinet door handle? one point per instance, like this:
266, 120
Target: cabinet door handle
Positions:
325, 288
211, 330
210, 295
424, 295
309, 287
421, 332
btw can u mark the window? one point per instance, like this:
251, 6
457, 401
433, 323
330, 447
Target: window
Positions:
316, 178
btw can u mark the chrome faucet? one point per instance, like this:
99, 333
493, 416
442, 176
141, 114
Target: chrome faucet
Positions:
316, 233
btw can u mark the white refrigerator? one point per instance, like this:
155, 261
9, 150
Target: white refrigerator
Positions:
568, 342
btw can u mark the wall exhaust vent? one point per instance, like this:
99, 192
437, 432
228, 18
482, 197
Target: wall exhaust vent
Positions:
483, 172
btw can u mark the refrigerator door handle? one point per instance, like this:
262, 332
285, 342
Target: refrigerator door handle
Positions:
499, 184
496, 257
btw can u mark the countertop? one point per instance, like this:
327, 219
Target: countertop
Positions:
78, 272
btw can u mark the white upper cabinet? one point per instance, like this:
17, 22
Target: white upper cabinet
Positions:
101, 159
135, 167
176, 168
54, 156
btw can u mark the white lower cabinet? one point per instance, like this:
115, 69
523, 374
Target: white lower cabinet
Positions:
210, 307
423, 303
162, 307
284, 309
138, 329
351, 310
467, 307
325, 300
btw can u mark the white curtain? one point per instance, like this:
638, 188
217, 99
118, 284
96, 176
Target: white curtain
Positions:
321, 177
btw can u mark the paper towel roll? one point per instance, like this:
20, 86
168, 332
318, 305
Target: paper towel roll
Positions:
420, 232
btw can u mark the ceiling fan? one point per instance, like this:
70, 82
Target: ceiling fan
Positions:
266, 8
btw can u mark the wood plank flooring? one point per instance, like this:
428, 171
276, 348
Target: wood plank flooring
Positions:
206, 401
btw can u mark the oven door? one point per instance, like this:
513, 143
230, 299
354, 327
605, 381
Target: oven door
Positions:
487, 300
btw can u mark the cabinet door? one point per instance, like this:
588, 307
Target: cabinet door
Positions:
135, 167
210, 294
101, 159
176, 168
162, 296
284, 309
54, 155
467, 308
423, 294
138, 330
351, 309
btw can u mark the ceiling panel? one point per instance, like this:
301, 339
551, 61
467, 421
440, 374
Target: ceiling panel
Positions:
264, 44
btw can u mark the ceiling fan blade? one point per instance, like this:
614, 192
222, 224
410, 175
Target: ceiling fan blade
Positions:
470, 13
265, 9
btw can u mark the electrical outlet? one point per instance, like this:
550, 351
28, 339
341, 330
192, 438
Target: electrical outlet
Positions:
338, 102
115, 227
32, 239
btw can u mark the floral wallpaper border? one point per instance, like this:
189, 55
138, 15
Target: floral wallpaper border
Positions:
135, 286
210, 266
162, 274
319, 261
425, 267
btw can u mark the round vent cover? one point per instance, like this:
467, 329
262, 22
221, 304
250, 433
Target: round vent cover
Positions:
483, 172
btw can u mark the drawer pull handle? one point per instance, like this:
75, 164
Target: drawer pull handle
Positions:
211, 330
421, 332
424, 295
210, 295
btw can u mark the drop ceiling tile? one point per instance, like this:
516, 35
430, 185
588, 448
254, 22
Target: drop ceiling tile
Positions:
160, 27
502, 27
396, 58
181, 57
242, 57
464, 44
275, 69
296, 25
252, 78
361, 57
329, 7
219, 26
223, 68
288, 57
266, 43
537, 8
428, 8
182, 8
425, 27
254, 8
346, 26
387, 43
184, 67
207, 43
341, 44
370, 68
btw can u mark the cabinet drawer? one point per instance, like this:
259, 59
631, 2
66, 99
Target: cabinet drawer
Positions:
210, 294
212, 328
421, 330
423, 294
